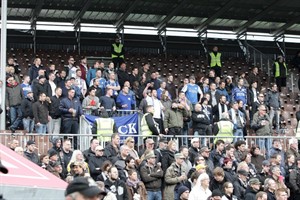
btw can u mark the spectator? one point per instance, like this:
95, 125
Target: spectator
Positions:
78, 159
162, 146
253, 94
61, 78
13, 144
115, 185
192, 90
222, 91
280, 72
152, 174
13, 100
247, 158
201, 189
215, 95
80, 83
135, 188
129, 142
33, 71
217, 153
122, 74
239, 121
84, 188
70, 68
41, 114
20, 151
293, 142
96, 161
278, 178
194, 149
26, 107
104, 171
270, 187
88, 153
175, 175
41, 87
257, 158
134, 76
77, 169
200, 123
112, 83
95, 85
186, 162
101, 83
170, 86
262, 126
240, 92
240, 185
91, 74
216, 195
183, 193
165, 100
51, 84
71, 110
44, 161
273, 102
125, 100
218, 179
281, 194
229, 170
228, 191
26, 87
112, 149
205, 152
240, 148
83, 68
29, 153
107, 102
252, 189
254, 77
91, 102
265, 172
54, 124
67, 153
173, 121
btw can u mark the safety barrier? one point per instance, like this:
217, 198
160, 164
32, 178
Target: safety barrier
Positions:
44, 142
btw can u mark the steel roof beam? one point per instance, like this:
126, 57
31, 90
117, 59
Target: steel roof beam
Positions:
80, 14
219, 12
165, 21
123, 16
282, 29
257, 17
36, 12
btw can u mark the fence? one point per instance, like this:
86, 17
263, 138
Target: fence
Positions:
44, 142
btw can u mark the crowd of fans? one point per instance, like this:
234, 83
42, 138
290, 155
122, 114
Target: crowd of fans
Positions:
47, 100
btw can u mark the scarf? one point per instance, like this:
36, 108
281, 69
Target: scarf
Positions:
131, 183
233, 115
221, 110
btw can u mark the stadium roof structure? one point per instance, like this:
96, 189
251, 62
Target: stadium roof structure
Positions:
273, 17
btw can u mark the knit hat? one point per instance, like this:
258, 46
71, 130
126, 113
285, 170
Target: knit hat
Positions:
182, 189
85, 186
216, 193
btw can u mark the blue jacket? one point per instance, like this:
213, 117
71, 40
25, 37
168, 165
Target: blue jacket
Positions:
239, 94
123, 99
90, 75
66, 104
225, 93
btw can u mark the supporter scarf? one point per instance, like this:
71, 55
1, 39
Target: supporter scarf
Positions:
220, 109
132, 183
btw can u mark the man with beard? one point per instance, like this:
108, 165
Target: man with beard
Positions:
30, 154
96, 161
115, 185
26, 107
220, 108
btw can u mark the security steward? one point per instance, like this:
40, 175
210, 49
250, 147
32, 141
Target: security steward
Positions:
117, 53
215, 61
280, 72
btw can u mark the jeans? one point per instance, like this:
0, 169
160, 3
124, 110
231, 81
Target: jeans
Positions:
15, 114
71, 126
264, 144
203, 140
41, 129
185, 132
154, 195
54, 126
274, 114
238, 133
28, 124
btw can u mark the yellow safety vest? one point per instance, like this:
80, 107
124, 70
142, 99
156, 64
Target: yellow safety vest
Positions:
144, 126
277, 69
117, 49
225, 129
105, 126
215, 59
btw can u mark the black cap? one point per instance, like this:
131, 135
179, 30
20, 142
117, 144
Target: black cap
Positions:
3, 169
54, 164
216, 193
52, 152
30, 142
243, 172
85, 186
42, 76
163, 140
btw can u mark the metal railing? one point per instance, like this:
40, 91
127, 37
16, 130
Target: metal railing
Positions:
44, 142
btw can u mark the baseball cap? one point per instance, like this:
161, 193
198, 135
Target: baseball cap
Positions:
254, 181
150, 155
85, 186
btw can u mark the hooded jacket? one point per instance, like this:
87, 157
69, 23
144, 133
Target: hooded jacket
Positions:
14, 95
26, 107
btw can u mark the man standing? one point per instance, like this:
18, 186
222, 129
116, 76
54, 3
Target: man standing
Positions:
125, 100
261, 124
173, 121
175, 175
115, 185
122, 74
13, 100
30, 154
240, 92
26, 107
171, 86
238, 120
55, 113
92, 150
41, 114
215, 61
192, 90
273, 102
148, 125
71, 111
113, 148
